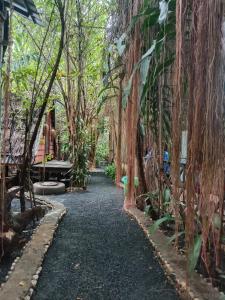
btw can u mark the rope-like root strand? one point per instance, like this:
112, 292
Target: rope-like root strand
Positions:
206, 140
133, 56
181, 10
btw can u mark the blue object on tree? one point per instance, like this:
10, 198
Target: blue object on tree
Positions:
166, 156
124, 180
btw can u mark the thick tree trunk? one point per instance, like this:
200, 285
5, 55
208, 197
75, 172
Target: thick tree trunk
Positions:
132, 113
119, 134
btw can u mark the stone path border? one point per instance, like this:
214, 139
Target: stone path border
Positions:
25, 270
175, 264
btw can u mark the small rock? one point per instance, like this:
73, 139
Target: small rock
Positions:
34, 282
22, 283
191, 294
35, 277
31, 291
77, 266
183, 284
169, 268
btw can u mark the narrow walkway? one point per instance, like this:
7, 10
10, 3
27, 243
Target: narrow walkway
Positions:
101, 253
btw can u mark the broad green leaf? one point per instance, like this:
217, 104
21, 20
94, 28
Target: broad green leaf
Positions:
126, 92
217, 221
144, 67
150, 51
195, 253
159, 222
142, 129
166, 195
172, 238
127, 89
147, 209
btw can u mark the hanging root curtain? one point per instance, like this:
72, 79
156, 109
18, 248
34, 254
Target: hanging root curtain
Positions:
180, 67
133, 57
205, 168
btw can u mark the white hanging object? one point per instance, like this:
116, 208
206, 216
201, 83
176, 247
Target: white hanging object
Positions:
164, 10
223, 37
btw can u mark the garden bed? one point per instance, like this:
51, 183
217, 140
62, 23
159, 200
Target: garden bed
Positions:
218, 279
24, 264
15, 249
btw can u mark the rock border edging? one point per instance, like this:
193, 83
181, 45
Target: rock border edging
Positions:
175, 264
24, 273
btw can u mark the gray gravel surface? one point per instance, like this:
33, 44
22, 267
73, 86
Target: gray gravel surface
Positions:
100, 253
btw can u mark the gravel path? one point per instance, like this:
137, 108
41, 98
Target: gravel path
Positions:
100, 253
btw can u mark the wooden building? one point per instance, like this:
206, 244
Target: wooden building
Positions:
45, 147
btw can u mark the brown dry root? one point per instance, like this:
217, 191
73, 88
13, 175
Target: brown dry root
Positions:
9, 237
206, 129
22, 220
140, 202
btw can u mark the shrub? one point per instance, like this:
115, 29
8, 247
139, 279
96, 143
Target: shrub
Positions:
102, 151
110, 171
